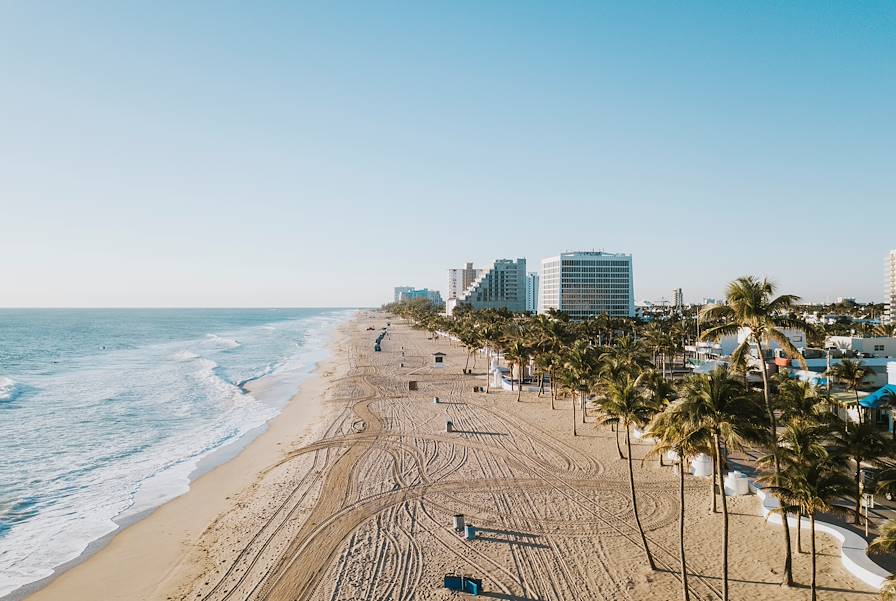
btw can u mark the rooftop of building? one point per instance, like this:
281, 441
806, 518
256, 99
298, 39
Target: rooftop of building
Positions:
587, 253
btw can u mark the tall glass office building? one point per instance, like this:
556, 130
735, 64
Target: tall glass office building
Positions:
584, 284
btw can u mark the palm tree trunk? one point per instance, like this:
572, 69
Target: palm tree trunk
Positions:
712, 494
685, 594
467, 364
583, 407
788, 554
574, 416
812, 526
718, 449
488, 367
519, 387
553, 396
799, 531
618, 448
631, 482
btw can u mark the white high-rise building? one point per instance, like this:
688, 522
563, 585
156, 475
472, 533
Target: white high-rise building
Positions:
584, 284
678, 298
532, 292
890, 293
501, 286
461, 279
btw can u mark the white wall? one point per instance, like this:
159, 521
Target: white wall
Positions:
796, 336
880, 346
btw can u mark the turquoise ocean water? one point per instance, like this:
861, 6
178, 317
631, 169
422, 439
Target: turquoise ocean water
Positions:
105, 413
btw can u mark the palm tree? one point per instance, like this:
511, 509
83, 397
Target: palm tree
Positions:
886, 330
860, 444
517, 352
799, 445
490, 331
627, 354
659, 340
811, 478
800, 400
852, 375
604, 326
580, 363
659, 393
469, 336
749, 304
886, 543
720, 405
626, 403
550, 333
685, 439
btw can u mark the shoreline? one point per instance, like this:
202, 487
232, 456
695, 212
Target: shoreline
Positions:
146, 552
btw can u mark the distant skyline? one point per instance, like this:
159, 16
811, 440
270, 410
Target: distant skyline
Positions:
224, 154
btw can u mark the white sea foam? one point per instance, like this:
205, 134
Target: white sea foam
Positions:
9, 388
120, 433
224, 342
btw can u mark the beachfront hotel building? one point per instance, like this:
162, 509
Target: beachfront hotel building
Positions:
889, 316
399, 290
500, 286
532, 292
461, 279
584, 284
408, 294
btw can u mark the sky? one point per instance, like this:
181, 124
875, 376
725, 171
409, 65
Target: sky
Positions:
318, 154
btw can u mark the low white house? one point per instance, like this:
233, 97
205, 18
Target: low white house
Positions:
727, 344
796, 336
877, 346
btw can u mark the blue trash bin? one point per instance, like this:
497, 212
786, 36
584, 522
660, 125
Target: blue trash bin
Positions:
472, 585
453, 582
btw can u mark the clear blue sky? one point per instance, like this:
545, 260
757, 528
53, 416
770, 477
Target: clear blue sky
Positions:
246, 154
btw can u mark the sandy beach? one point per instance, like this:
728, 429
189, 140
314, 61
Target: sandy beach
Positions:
350, 493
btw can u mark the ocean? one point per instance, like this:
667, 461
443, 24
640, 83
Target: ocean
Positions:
106, 413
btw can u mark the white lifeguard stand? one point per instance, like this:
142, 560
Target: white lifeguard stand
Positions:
736, 484
701, 466
438, 359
